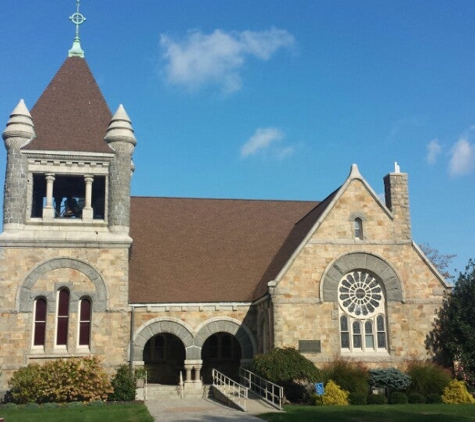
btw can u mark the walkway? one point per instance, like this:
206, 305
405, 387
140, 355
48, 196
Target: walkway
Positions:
208, 410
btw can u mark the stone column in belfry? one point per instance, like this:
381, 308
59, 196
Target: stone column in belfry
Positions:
120, 137
18, 133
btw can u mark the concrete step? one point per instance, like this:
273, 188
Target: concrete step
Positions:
170, 392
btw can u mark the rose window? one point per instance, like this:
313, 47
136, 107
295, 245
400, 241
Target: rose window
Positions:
360, 294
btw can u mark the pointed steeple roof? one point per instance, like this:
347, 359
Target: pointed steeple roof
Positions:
71, 114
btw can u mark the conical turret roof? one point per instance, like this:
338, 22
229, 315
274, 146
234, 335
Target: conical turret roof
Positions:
71, 114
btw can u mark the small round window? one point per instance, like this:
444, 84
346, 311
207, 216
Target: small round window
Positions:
360, 294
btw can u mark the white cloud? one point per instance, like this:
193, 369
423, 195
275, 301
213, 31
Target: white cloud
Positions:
217, 58
433, 151
266, 140
462, 160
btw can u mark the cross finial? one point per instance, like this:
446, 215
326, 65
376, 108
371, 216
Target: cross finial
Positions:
78, 19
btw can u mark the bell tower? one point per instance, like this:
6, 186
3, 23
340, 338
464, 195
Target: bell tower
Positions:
64, 249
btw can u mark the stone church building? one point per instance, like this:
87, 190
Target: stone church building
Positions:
180, 284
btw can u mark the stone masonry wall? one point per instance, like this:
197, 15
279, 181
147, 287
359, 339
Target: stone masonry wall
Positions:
102, 273
299, 309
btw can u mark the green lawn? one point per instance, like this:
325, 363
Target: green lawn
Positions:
106, 413
376, 413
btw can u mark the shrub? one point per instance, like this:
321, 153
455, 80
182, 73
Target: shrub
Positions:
456, 393
123, 384
63, 380
377, 399
351, 376
391, 378
416, 398
334, 395
433, 399
427, 378
357, 398
397, 397
27, 384
288, 368
284, 365
32, 406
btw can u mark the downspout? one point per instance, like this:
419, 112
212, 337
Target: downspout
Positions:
132, 324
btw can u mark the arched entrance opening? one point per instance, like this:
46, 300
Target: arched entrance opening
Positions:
221, 351
164, 358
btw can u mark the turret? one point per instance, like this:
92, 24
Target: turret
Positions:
18, 133
121, 139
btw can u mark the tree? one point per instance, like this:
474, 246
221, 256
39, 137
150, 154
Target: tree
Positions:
453, 338
439, 260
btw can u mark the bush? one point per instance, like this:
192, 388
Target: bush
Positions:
456, 393
391, 378
416, 398
285, 365
433, 399
427, 378
377, 399
334, 395
357, 398
288, 368
27, 384
397, 397
123, 384
63, 380
351, 376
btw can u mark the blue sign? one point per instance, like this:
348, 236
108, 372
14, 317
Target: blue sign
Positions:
319, 389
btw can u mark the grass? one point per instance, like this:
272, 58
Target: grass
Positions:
106, 413
376, 413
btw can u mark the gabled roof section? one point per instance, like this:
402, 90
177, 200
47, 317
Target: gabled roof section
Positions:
295, 238
205, 250
71, 114
310, 224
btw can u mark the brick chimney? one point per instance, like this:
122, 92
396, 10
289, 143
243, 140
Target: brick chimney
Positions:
397, 200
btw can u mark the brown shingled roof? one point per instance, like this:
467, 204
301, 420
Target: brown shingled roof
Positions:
71, 114
205, 250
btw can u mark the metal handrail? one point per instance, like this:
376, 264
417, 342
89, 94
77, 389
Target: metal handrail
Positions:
234, 391
271, 393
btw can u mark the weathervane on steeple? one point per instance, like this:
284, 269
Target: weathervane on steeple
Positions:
78, 19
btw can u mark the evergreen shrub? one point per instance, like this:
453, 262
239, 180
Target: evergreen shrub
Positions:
389, 378
433, 399
397, 397
427, 378
123, 384
417, 398
351, 376
377, 399
357, 398
456, 393
288, 368
334, 395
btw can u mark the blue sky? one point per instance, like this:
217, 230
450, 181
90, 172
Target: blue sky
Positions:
275, 99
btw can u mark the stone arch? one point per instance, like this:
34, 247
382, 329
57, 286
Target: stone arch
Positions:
226, 325
364, 261
25, 296
162, 325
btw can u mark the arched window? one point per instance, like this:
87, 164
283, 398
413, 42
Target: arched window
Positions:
62, 317
362, 309
84, 322
358, 228
40, 322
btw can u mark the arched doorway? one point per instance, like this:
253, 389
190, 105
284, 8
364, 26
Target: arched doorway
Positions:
221, 351
164, 358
